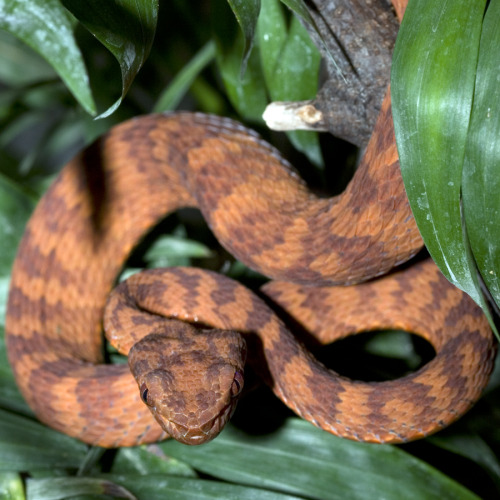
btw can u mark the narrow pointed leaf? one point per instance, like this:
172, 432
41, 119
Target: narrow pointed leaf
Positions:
177, 89
47, 27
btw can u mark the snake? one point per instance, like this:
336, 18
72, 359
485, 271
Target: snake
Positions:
189, 333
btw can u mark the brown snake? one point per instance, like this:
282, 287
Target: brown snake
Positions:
104, 201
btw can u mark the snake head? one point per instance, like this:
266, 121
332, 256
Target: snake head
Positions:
190, 382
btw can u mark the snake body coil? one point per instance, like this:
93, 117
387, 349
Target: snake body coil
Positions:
104, 201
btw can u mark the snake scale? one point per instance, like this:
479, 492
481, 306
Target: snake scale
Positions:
193, 330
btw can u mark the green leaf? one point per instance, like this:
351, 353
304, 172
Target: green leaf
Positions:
160, 487
15, 209
170, 250
471, 446
300, 9
247, 14
47, 28
290, 63
481, 175
10, 397
27, 445
11, 486
432, 85
245, 91
125, 27
149, 460
20, 65
272, 33
178, 87
67, 487
303, 460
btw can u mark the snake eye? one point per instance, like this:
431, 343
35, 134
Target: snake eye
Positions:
237, 384
144, 392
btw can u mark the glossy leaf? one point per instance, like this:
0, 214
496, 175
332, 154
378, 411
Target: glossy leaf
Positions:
125, 27
303, 460
481, 176
432, 85
47, 28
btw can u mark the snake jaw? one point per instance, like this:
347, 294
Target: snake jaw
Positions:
194, 430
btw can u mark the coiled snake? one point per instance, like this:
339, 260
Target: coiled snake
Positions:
103, 202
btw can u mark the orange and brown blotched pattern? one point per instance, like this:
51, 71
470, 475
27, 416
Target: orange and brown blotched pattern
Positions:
104, 201
419, 300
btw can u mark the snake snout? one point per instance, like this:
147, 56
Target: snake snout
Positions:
200, 434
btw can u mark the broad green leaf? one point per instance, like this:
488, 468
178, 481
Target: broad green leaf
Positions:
432, 86
247, 14
47, 28
303, 460
27, 444
481, 175
161, 487
125, 27
59, 488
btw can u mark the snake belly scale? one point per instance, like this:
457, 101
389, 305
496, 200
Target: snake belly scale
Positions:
105, 200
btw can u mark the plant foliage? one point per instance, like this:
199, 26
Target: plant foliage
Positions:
62, 64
